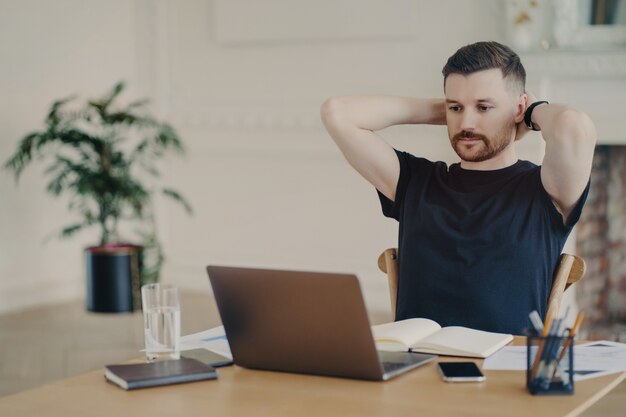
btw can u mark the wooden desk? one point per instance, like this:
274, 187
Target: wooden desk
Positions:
244, 392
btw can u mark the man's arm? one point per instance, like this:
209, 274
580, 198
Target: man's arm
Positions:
352, 121
570, 137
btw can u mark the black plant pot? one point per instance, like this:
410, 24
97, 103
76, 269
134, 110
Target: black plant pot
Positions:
113, 278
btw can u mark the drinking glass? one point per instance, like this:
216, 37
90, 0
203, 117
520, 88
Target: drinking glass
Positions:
161, 318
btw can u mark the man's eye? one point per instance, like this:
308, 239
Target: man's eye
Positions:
484, 108
455, 108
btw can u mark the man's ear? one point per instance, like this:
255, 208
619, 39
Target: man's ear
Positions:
520, 107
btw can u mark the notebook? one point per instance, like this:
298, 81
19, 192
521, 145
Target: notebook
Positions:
144, 375
424, 335
302, 322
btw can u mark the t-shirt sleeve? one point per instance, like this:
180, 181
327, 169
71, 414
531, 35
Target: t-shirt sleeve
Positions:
574, 216
578, 208
392, 208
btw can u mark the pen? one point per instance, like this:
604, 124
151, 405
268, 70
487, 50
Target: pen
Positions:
550, 352
572, 333
536, 321
546, 326
558, 338
550, 347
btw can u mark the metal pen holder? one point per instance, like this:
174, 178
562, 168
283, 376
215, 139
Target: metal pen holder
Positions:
553, 372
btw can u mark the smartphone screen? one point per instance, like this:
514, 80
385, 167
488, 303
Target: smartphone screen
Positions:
207, 357
460, 372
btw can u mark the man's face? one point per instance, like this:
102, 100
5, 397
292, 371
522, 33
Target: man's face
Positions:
482, 111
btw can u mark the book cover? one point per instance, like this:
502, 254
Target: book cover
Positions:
143, 375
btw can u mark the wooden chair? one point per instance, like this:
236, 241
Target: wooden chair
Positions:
570, 270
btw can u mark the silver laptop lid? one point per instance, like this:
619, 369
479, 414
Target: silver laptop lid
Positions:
293, 321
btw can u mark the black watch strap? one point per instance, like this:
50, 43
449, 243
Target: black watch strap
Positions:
529, 112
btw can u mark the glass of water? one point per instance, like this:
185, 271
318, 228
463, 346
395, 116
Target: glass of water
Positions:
161, 321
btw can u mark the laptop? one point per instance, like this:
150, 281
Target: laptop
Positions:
302, 322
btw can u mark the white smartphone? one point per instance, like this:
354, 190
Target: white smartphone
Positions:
460, 372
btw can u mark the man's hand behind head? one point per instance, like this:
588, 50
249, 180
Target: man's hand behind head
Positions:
522, 129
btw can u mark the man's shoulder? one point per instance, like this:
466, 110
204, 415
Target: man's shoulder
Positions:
527, 171
527, 165
413, 160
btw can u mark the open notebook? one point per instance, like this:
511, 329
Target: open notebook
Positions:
424, 335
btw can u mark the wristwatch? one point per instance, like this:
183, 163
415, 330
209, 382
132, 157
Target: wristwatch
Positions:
529, 112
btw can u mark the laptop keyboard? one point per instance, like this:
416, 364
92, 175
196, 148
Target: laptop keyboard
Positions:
393, 366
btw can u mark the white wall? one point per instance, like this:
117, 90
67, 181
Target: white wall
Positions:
268, 185
50, 50
243, 85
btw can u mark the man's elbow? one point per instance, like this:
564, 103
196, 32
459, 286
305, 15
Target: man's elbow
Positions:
331, 109
572, 123
576, 128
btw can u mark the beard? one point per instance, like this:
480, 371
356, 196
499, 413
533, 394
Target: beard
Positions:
484, 148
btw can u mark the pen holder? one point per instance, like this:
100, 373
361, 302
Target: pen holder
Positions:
550, 365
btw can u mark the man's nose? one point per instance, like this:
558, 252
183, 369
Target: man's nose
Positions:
468, 120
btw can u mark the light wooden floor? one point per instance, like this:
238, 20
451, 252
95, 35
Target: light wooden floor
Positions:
49, 343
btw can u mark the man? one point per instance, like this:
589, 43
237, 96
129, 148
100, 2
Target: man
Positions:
479, 240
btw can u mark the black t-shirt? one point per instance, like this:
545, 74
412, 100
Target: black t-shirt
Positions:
476, 248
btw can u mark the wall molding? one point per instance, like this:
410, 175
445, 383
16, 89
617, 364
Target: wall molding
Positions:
259, 117
589, 80
558, 63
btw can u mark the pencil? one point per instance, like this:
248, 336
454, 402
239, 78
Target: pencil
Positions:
546, 328
550, 350
572, 333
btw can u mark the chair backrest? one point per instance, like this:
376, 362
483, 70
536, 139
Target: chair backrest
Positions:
388, 263
570, 270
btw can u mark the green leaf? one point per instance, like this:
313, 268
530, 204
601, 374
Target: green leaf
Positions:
178, 198
168, 138
138, 104
24, 154
53, 118
58, 183
71, 230
103, 104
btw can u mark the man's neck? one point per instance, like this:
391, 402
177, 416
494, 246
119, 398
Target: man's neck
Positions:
504, 159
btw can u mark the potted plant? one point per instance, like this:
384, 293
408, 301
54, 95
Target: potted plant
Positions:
102, 156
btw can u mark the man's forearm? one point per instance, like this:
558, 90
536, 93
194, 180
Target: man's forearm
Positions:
352, 122
379, 112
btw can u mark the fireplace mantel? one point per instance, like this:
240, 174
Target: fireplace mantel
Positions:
592, 80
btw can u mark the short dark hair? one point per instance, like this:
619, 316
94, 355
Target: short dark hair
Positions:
481, 56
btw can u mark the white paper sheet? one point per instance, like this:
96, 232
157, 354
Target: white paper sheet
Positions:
591, 359
212, 339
